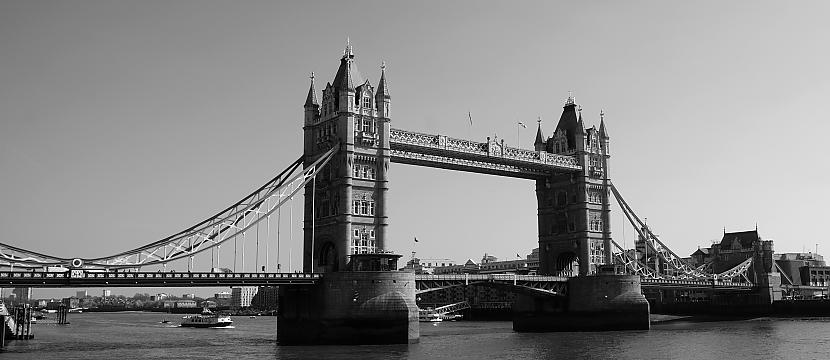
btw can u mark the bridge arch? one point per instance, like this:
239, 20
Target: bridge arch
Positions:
329, 257
567, 264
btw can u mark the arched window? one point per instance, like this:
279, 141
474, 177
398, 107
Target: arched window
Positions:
561, 198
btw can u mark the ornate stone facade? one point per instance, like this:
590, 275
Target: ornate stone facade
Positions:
345, 212
574, 229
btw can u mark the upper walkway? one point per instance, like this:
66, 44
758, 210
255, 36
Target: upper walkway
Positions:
489, 157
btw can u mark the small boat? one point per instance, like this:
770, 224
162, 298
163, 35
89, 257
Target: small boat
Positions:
252, 316
207, 319
429, 317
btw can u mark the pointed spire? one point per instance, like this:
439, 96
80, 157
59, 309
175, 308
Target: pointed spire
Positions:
345, 79
540, 138
602, 132
311, 99
383, 89
580, 125
348, 53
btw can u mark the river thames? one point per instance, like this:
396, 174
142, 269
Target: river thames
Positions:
137, 335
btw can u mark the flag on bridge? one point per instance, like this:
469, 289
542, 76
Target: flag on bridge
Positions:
523, 124
416, 239
471, 118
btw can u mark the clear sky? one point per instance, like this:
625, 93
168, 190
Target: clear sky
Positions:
123, 122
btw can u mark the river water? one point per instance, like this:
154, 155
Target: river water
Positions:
136, 335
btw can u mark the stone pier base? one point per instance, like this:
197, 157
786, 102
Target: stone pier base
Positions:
367, 307
593, 303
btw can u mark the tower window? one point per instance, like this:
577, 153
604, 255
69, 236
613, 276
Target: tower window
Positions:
366, 102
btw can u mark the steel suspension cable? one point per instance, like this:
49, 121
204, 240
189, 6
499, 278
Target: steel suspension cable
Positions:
647, 235
256, 258
291, 237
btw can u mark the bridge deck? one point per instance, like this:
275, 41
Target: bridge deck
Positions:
77, 278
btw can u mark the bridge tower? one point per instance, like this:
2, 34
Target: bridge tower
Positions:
362, 298
574, 208
345, 207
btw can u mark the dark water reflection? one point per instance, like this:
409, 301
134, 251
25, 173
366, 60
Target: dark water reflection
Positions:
141, 336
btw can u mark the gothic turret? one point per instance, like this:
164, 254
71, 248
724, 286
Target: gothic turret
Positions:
345, 79
539, 144
602, 132
382, 96
570, 126
312, 107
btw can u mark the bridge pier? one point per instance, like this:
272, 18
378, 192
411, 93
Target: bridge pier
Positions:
351, 307
603, 302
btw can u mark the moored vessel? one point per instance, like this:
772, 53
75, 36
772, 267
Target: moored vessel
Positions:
207, 319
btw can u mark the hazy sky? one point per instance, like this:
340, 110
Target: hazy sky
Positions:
124, 122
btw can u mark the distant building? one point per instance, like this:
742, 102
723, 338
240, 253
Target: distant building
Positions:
242, 296
107, 293
222, 295
426, 266
188, 296
491, 265
733, 249
469, 267
791, 264
209, 304
22, 295
266, 298
80, 294
180, 304
72, 302
53, 305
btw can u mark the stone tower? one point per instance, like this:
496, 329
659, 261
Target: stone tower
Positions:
574, 227
345, 207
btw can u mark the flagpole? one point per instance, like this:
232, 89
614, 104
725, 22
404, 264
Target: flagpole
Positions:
518, 124
470, 129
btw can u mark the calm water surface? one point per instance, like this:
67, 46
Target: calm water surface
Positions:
136, 335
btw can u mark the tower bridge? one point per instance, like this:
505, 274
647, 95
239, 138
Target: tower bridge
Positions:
346, 292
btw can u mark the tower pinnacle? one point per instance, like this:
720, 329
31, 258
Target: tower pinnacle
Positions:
348, 53
311, 99
539, 143
570, 100
603, 133
383, 89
